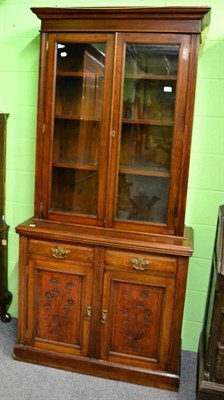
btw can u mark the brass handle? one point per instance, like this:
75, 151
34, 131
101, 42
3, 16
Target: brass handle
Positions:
103, 316
139, 264
59, 253
88, 312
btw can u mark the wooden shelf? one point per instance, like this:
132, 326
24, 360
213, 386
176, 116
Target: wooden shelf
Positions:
77, 117
78, 74
147, 122
152, 77
71, 165
124, 120
144, 171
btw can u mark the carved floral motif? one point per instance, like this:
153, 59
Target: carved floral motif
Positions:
136, 317
59, 305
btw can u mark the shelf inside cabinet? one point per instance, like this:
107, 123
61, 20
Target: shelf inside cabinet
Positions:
151, 77
147, 122
61, 164
77, 117
79, 74
144, 171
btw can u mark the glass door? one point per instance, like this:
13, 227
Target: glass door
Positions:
76, 183
148, 132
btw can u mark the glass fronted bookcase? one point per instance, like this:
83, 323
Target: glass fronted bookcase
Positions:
104, 260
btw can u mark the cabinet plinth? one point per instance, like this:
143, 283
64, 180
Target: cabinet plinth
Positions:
103, 263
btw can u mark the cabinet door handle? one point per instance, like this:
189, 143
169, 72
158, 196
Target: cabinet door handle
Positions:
103, 316
139, 264
88, 312
59, 252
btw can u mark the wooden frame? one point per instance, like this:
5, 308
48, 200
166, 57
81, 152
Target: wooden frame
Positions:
127, 264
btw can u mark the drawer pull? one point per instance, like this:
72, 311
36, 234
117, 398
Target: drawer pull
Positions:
59, 253
139, 264
88, 312
103, 317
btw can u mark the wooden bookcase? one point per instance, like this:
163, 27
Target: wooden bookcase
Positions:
103, 262
5, 295
210, 380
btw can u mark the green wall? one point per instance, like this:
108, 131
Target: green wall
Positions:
19, 45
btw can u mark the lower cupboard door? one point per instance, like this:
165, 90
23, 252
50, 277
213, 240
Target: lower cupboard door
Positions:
136, 319
59, 307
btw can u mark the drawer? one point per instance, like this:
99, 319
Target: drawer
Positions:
61, 251
132, 261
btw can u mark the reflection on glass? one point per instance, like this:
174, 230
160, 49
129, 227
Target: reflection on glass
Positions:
151, 59
77, 126
146, 99
150, 82
149, 91
142, 198
146, 146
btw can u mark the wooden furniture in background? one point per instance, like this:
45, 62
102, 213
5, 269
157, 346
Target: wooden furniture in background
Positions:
210, 383
5, 295
103, 263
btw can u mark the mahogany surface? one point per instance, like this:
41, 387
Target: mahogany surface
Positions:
103, 262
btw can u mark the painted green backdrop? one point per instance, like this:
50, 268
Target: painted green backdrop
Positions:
19, 53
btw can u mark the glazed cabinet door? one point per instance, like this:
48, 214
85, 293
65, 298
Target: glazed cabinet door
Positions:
59, 297
148, 125
137, 309
76, 125
112, 144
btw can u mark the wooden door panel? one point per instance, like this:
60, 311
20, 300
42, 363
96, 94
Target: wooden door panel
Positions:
139, 318
138, 309
60, 306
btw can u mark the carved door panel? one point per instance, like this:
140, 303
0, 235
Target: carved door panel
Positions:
59, 309
136, 319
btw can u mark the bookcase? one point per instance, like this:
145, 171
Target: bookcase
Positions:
103, 262
210, 377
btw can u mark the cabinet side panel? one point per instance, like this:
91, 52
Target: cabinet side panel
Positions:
187, 131
175, 344
23, 288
